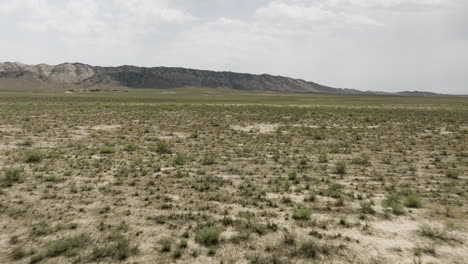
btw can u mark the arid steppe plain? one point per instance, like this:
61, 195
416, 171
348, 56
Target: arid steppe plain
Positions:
220, 176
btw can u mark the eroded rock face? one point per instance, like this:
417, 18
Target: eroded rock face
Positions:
64, 73
71, 73
158, 77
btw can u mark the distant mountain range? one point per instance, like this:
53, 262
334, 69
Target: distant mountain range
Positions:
14, 75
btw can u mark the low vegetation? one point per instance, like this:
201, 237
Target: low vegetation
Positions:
219, 176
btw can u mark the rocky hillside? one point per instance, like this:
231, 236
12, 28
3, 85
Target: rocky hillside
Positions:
68, 74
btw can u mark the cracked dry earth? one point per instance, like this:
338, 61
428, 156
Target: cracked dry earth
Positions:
94, 181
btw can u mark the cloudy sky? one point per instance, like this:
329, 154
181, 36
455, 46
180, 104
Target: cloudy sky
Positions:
386, 45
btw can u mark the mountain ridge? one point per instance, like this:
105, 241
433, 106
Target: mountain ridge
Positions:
66, 75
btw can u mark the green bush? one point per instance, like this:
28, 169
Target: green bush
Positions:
66, 246
302, 214
131, 147
260, 228
180, 159
412, 201
309, 249
454, 174
394, 202
319, 136
340, 168
433, 232
313, 250
208, 235
166, 245
323, 158
366, 208
118, 247
18, 253
12, 175
361, 160
163, 147
292, 175
183, 244
209, 159
34, 156
106, 149
177, 253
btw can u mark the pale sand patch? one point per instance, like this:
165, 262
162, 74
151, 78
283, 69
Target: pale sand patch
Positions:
257, 128
105, 127
394, 241
170, 135
8, 145
82, 132
297, 198
9, 129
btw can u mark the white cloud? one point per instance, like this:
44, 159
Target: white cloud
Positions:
312, 15
82, 17
8, 6
387, 3
75, 18
145, 16
364, 44
397, 5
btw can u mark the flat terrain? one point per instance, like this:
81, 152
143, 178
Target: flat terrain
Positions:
219, 176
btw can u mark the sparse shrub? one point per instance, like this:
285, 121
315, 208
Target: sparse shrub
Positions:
340, 168
162, 147
412, 201
194, 134
454, 174
18, 253
211, 251
166, 245
274, 258
394, 202
340, 201
26, 143
34, 156
397, 208
289, 238
387, 160
51, 178
209, 159
177, 253
118, 247
40, 229
344, 221
319, 136
180, 159
302, 214
106, 149
260, 228
208, 235
130, 147
311, 198
12, 175
66, 246
292, 175
362, 160
323, 158
366, 208
433, 232
36, 258
183, 244
418, 251
312, 250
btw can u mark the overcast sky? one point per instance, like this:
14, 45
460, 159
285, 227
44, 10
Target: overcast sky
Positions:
384, 45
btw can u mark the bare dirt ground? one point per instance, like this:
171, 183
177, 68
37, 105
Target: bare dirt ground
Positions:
120, 178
